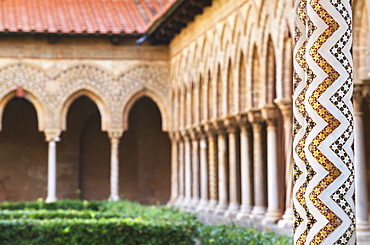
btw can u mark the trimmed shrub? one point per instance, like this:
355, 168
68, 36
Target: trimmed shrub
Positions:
93, 231
235, 235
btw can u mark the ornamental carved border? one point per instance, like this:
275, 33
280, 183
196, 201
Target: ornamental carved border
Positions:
111, 94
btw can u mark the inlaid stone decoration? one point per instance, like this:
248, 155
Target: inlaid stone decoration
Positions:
323, 123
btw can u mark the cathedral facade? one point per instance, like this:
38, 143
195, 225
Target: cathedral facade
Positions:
181, 102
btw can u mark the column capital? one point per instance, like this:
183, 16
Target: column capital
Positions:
115, 133
231, 125
193, 133
52, 135
269, 114
210, 129
361, 96
286, 107
201, 131
220, 127
242, 121
255, 116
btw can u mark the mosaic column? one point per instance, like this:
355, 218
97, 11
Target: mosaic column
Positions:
245, 168
114, 137
212, 163
233, 208
274, 212
362, 201
324, 210
194, 167
222, 167
285, 106
259, 185
52, 138
174, 167
203, 202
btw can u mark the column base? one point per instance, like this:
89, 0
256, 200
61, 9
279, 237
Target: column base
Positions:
287, 221
363, 233
221, 209
258, 213
232, 210
202, 205
211, 206
272, 216
113, 198
193, 204
244, 212
172, 201
51, 199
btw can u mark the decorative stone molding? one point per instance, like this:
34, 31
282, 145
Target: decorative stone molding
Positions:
52, 135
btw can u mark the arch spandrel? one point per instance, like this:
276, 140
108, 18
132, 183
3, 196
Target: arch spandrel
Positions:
33, 81
143, 80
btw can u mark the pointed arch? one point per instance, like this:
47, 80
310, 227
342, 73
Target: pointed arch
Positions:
103, 108
242, 82
153, 96
230, 88
256, 78
39, 107
270, 79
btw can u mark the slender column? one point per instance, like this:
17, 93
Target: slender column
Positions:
285, 106
174, 168
52, 137
362, 209
324, 208
273, 213
222, 168
203, 202
212, 161
259, 207
187, 199
114, 137
195, 168
181, 170
245, 168
231, 128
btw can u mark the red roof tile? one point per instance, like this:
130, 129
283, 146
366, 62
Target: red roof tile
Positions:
81, 16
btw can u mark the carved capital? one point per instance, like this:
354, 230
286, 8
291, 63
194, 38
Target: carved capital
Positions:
269, 114
242, 121
193, 133
201, 132
361, 96
210, 129
286, 108
231, 125
220, 127
52, 135
115, 133
255, 116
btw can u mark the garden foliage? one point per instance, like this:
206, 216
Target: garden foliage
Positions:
102, 222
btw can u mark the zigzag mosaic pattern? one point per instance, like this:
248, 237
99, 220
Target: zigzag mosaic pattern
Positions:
323, 123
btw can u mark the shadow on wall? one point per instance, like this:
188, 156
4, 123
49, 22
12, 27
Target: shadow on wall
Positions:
145, 156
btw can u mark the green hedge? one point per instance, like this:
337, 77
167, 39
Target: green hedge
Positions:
235, 235
123, 222
93, 231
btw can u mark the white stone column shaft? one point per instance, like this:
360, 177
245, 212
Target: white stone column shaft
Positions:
114, 165
273, 213
174, 169
181, 174
52, 172
362, 209
203, 173
188, 179
195, 169
222, 171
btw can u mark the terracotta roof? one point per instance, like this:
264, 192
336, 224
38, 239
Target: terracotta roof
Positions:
81, 16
